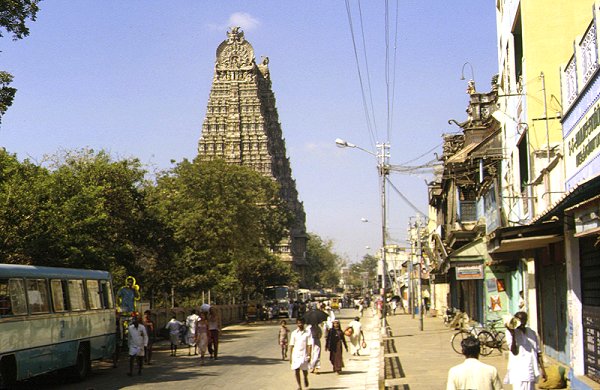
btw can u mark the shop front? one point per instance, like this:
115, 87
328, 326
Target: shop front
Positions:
531, 259
466, 277
582, 224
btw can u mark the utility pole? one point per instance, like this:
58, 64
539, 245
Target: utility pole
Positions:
383, 165
413, 248
420, 254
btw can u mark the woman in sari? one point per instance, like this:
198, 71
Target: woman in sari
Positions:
335, 340
202, 335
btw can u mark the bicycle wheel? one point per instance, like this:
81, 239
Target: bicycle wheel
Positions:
457, 338
501, 342
487, 341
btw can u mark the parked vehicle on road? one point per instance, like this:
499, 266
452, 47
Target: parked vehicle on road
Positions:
53, 319
278, 298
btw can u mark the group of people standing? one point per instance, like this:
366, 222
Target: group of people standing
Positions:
305, 345
200, 332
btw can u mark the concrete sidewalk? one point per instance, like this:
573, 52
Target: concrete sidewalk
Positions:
420, 360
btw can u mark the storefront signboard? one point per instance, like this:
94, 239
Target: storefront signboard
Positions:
469, 272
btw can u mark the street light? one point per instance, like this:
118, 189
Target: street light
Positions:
472, 80
383, 168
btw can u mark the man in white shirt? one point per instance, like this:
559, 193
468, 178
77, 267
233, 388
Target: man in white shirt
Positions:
301, 342
525, 357
473, 374
357, 336
174, 328
190, 336
138, 339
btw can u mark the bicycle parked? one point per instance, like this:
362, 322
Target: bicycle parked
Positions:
489, 337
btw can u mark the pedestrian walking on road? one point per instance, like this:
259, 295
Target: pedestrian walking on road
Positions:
315, 356
333, 344
190, 323
138, 338
357, 336
473, 374
283, 338
214, 328
174, 328
149, 325
202, 335
525, 363
394, 304
300, 351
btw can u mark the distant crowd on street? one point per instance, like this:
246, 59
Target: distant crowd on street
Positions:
199, 333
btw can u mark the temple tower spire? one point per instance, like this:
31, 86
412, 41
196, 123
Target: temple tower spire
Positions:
242, 127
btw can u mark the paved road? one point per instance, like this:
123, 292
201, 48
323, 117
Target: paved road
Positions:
249, 358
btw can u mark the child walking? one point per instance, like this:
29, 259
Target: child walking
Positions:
284, 333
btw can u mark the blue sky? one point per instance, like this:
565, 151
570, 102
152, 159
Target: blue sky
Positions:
134, 77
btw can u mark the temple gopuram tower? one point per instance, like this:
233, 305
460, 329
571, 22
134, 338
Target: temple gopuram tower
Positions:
242, 127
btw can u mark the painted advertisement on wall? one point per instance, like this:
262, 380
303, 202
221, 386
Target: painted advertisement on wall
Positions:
582, 148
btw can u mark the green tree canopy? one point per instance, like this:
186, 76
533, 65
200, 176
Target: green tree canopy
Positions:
13, 17
85, 211
224, 219
365, 271
323, 269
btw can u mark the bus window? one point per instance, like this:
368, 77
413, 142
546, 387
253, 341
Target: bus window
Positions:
5, 306
76, 295
37, 293
59, 295
17, 296
93, 291
107, 295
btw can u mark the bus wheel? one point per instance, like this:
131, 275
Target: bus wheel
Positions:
82, 366
8, 372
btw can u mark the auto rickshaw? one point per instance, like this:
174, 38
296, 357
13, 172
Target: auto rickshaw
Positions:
251, 311
336, 304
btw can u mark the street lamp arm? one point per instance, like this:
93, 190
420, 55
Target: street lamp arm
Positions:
345, 144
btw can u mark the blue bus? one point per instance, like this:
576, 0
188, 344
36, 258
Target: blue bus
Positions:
53, 319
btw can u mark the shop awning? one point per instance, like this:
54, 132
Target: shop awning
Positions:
472, 252
520, 238
524, 243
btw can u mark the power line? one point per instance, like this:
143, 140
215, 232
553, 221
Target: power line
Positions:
394, 68
412, 206
362, 87
422, 155
362, 31
387, 68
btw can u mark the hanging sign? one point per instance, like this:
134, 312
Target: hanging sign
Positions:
469, 272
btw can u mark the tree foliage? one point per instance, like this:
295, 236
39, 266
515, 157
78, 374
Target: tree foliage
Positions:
7, 93
200, 226
324, 264
364, 272
85, 211
13, 17
224, 219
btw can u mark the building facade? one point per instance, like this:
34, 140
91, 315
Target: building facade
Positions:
579, 208
242, 127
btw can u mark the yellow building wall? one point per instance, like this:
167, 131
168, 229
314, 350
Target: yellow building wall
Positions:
548, 28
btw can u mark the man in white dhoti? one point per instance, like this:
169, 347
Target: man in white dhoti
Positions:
138, 338
301, 342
